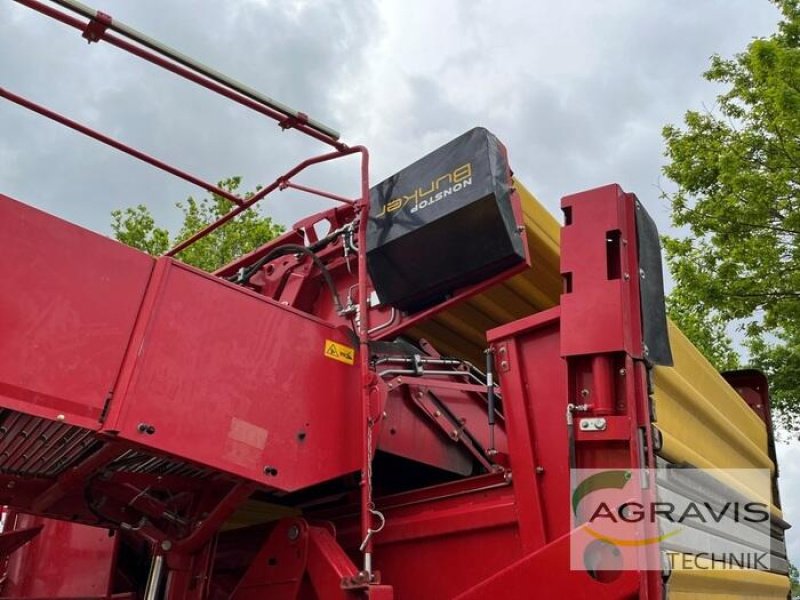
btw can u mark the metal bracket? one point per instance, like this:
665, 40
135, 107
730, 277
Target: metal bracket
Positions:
96, 28
361, 581
593, 424
293, 121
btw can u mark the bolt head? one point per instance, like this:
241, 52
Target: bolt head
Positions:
293, 533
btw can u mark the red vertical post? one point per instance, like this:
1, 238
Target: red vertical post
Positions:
366, 374
602, 342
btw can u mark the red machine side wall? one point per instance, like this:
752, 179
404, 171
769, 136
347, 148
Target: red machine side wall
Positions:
64, 560
63, 335
221, 376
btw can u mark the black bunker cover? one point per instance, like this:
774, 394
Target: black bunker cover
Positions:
442, 223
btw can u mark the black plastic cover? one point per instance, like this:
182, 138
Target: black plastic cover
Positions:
442, 223
651, 290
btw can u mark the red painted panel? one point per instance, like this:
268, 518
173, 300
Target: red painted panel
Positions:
534, 385
67, 307
39, 568
238, 382
444, 566
595, 307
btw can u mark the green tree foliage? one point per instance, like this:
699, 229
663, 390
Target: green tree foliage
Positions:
136, 227
737, 170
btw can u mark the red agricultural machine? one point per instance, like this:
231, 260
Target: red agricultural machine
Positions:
388, 401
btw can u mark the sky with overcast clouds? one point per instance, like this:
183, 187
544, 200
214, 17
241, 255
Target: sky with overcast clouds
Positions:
578, 91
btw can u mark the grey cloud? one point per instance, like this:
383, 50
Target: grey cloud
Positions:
578, 91
299, 61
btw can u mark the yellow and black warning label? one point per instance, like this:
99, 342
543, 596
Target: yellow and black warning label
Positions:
340, 352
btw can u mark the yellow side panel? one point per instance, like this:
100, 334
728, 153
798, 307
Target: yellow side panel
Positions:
704, 421
726, 584
461, 330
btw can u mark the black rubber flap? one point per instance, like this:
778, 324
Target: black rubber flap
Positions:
442, 223
651, 290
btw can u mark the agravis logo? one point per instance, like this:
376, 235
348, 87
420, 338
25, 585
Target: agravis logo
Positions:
623, 519
628, 512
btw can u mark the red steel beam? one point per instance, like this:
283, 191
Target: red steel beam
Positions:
283, 120
58, 118
268, 190
367, 504
316, 192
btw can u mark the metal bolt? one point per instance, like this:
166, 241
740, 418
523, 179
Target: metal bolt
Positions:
641, 273
597, 424
623, 372
539, 470
293, 533
504, 364
270, 471
585, 393
502, 350
626, 276
146, 428
166, 545
438, 413
60, 418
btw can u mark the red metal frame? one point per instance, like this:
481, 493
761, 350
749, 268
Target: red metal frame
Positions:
178, 69
54, 116
507, 527
283, 181
503, 531
95, 30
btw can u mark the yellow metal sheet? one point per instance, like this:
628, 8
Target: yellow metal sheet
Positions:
704, 421
461, 330
725, 584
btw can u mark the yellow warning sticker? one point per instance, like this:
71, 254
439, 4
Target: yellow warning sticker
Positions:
344, 354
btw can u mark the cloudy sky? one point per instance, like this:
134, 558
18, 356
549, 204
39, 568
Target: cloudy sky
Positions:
577, 90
